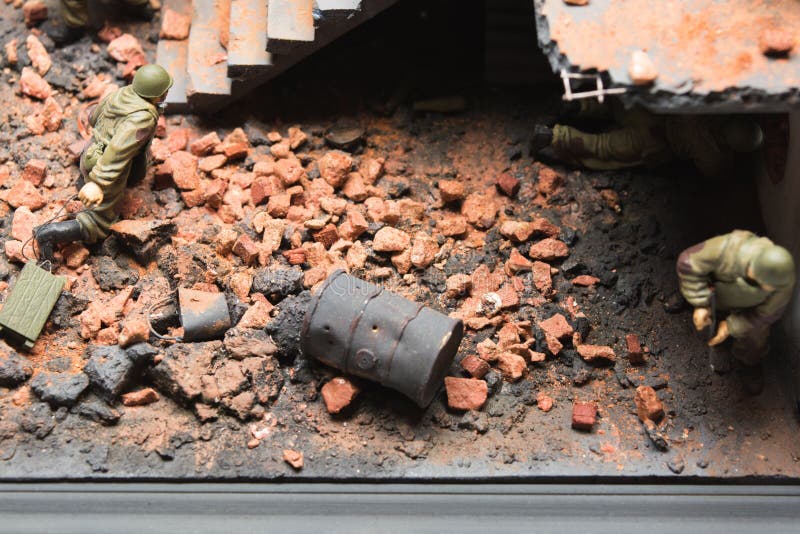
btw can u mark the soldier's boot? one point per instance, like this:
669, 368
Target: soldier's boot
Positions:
752, 378
542, 137
49, 235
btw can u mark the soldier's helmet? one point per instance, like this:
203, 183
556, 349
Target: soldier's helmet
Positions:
774, 267
151, 81
743, 135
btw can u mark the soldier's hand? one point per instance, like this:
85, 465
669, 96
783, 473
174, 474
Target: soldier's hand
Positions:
91, 195
701, 318
722, 334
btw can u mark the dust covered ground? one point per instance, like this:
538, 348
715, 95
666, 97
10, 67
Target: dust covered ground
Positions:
229, 213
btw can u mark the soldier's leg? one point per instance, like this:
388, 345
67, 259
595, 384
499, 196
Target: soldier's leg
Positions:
750, 352
95, 224
75, 13
617, 149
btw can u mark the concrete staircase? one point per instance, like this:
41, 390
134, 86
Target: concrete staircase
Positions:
236, 45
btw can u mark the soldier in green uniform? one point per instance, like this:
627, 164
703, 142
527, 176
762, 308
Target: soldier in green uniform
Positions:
750, 280
75, 18
123, 124
641, 138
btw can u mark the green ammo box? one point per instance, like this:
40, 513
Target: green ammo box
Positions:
30, 302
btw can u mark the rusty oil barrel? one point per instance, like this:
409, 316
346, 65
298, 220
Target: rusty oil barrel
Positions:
363, 330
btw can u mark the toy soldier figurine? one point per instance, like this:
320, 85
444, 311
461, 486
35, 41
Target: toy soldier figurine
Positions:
641, 138
75, 17
124, 124
747, 277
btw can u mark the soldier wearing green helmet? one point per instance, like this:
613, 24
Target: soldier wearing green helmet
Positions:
124, 123
748, 278
642, 138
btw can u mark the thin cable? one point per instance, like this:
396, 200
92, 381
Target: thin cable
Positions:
150, 309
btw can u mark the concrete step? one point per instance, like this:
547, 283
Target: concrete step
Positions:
172, 55
290, 23
207, 61
247, 45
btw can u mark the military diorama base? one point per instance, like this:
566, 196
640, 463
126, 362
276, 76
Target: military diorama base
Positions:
244, 409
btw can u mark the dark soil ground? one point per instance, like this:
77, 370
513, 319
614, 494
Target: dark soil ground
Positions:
625, 228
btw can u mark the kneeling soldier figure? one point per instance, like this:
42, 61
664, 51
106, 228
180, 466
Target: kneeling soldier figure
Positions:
746, 277
123, 124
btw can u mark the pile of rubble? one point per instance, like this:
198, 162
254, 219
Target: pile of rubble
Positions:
264, 216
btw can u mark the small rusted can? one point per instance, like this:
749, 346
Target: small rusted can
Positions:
204, 315
362, 330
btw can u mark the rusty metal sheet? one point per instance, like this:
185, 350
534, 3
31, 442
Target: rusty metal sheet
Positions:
706, 52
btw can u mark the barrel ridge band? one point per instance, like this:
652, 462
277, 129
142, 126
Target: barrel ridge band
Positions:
400, 336
354, 326
310, 313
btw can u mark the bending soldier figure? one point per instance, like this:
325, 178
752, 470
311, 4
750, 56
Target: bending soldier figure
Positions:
749, 280
641, 138
75, 18
123, 124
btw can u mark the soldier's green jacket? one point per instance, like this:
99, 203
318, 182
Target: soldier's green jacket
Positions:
123, 126
721, 263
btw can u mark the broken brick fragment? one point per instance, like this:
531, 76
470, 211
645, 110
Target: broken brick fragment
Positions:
135, 330
518, 231
507, 184
338, 393
24, 193
513, 366
548, 249
33, 85
509, 298
295, 256
549, 181
205, 145
596, 353
557, 326
465, 393
480, 210
184, 170
389, 239
327, 236
475, 366
518, 263
584, 415
648, 405
451, 190
38, 55
334, 167
354, 225
246, 249
177, 139
35, 171
140, 398
542, 278
458, 284
585, 280
635, 352
544, 401
34, 12
452, 225
354, 188
75, 254
293, 458
289, 170
174, 25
